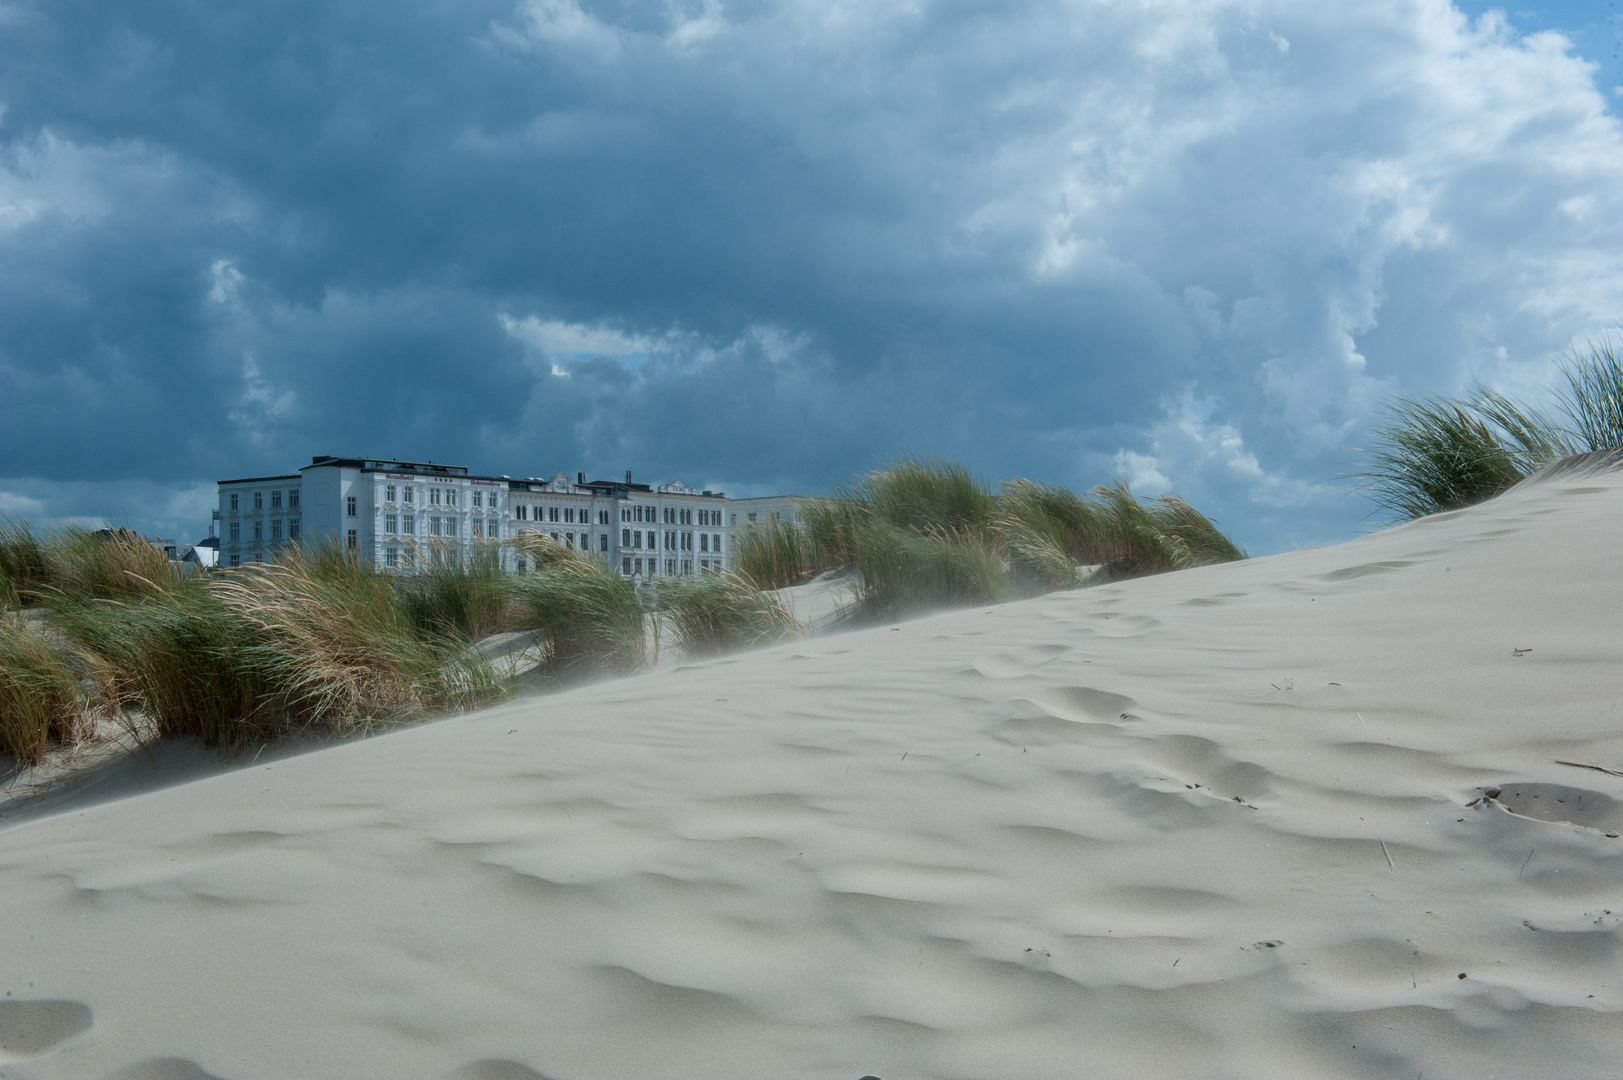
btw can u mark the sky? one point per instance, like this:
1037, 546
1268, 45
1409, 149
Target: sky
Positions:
763, 246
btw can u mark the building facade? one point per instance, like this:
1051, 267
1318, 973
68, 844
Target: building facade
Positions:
392, 513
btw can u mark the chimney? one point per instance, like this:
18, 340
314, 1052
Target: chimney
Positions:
580, 478
628, 476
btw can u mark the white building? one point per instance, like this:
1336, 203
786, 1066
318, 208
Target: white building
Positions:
388, 511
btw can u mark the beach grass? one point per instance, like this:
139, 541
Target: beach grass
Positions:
343, 646
593, 618
182, 657
1593, 398
459, 593
775, 554
709, 614
1439, 453
41, 701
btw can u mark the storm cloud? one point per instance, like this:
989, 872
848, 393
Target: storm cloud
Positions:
764, 245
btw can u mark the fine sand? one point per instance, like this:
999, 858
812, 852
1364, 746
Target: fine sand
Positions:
1220, 823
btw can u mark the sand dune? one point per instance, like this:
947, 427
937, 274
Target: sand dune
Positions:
1221, 823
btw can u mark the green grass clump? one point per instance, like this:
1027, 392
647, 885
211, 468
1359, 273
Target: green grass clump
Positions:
22, 562
107, 564
900, 571
775, 554
1440, 453
459, 592
343, 646
1047, 527
182, 657
592, 617
40, 699
709, 614
1593, 400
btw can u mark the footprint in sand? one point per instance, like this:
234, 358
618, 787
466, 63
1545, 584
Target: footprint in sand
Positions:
1557, 803
1016, 662
31, 1028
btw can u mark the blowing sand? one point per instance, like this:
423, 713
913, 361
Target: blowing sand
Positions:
1220, 823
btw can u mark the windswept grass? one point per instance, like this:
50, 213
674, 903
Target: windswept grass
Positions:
343, 646
22, 562
715, 613
40, 699
183, 658
461, 593
900, 571
1593, 400
109, 564
591, 615
775, 554
925, 496
1047, 526
1439, 453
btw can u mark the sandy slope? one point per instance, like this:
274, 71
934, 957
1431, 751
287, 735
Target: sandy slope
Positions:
1136, 830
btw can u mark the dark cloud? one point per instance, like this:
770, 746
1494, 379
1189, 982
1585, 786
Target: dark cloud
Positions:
766, 245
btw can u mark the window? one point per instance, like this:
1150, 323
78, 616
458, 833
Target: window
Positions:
625, 537
236, 531
236, 560
478, 498
602, 517
518, 512
408, 522
687, 566
569, 538
391, 557
433, 526
604, 545
276, 500
433, 496
670, 566
552, 514
625, 514
391, 523
750, 516
259, 530
636, 539
521, 566
234, 506
450, 496
349, 506
349, 539
388, 494
293, 499
625, 566
276, 528
259, 558
704, 541
704, 564
494, 529
293, 528
259, 500
636, 566
450, 526
406, 494
715, 542
478, 528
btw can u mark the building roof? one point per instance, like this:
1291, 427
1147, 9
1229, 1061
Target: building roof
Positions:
260, 479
